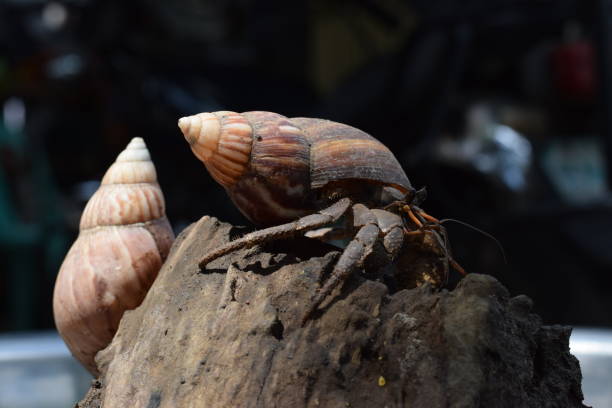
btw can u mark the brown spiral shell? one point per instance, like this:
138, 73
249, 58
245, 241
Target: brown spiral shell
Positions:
124, 238
342, 152
283, 162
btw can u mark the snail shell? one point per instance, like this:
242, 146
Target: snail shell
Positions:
277, 169
124, 238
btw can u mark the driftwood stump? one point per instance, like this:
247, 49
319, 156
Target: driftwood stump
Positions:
230, 336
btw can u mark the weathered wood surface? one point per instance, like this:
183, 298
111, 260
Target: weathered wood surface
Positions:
231, 337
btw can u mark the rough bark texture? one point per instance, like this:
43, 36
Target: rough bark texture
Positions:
230, 337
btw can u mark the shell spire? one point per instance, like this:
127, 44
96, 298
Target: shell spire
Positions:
123, 240
222, 141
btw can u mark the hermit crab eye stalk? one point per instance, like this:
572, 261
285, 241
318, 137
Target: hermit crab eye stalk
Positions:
419, 196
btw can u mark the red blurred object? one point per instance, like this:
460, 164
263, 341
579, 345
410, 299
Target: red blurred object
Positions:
573, 71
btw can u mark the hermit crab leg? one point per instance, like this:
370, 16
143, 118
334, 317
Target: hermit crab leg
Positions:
413, 217
428, 217
451, 261
352, 257
309, 222
456, 266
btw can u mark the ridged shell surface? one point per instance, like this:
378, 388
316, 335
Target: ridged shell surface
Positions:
272, 166
124, 238
222, 141
342, 152
276, 187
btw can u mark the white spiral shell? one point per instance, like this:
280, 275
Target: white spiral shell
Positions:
123, 241
222, 140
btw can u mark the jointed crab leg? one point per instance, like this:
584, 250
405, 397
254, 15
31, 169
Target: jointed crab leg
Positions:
428, 217
444, 244
309, 222
413, 217
352, 257
456, 266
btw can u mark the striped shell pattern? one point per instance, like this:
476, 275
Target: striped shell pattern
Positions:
270, 165
124, 238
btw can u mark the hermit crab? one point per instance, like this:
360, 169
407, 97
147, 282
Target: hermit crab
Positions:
321, 179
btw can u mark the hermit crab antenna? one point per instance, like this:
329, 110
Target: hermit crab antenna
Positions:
447, 250
486, 234
419, 196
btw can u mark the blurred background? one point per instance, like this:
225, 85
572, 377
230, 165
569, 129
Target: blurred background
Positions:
500, 108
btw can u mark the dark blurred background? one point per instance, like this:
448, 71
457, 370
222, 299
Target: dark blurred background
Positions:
502, 108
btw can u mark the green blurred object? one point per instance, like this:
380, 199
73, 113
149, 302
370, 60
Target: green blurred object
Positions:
31, 251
